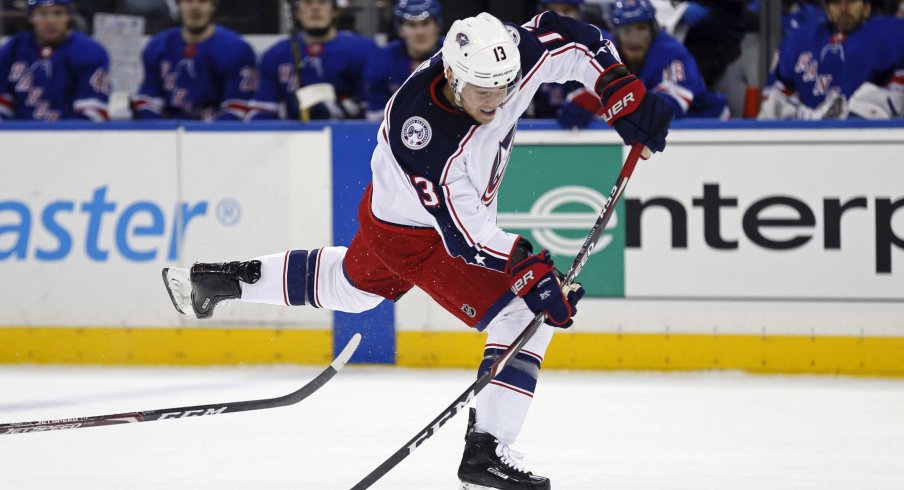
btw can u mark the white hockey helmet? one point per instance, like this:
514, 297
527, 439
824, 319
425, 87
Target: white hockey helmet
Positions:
481, 51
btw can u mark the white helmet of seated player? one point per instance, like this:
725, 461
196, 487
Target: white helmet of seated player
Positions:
482, 54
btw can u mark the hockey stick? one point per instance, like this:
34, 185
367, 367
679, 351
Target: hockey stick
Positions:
192, 411
503, 360
303, 113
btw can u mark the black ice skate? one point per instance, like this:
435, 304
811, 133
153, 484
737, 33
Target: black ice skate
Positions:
204, 285
488, 464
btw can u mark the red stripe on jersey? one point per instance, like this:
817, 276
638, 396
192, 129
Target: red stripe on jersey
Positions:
497, 253
511, 252
534, 69
285, 271
533, 23
550, 37
586, 52
6, 102
94, 110
316, 297
238, 106
504, 347
436, 100
513, 388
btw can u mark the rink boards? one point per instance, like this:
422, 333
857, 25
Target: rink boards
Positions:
777, 249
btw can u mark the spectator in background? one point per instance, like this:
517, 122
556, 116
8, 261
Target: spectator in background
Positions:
517, 11
798, 12
321, 54
418, 23
199, 70
158, 14
661, 63
715, 29
51, 72
901, 9
851, 65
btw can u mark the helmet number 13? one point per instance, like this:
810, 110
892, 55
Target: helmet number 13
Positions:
500, 53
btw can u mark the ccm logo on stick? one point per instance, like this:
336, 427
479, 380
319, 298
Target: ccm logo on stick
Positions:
193, 413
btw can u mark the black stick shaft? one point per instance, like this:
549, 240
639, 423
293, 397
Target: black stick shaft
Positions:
298, 60
503, 360
190, 411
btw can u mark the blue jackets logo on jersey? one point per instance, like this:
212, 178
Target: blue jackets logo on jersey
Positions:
515, 36
416, 133
499, 166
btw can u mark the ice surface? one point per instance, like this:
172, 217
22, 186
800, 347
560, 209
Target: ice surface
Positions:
587, 431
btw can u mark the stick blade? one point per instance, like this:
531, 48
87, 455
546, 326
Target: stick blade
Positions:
347, 352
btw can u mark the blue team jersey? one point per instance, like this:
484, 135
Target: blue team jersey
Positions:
671, 71
214, 79
339, 62
68, 81
385, 73
550, 98
814, 61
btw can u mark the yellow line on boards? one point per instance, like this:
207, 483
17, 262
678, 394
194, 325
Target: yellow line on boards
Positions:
164, 346
866, 356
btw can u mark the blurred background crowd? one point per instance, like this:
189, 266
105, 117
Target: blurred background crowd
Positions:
305, 60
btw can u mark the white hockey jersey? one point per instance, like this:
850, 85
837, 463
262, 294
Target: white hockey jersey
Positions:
434, 166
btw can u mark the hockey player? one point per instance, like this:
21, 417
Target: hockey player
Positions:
429, 217
659, 60
418, 23
51, 72
326, 56
199, 71
849, 64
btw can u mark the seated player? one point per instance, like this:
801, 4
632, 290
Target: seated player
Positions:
850, 66
199, 71
661, 62
418, 23
319, 54
51, 72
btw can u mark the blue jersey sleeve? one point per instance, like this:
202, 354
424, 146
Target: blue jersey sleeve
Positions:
671, 72
7, 107
265, 103
366, 52
376, 83
239, 83
92, 84
149, 99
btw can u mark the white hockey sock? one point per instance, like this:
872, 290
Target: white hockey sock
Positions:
316, 277
503, 405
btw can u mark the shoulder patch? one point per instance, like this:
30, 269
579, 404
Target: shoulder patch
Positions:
516, 36
416, 133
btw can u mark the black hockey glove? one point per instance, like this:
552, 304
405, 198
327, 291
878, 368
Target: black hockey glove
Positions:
638, 116
534, 280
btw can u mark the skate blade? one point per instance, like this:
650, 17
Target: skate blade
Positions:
178, 285
474, 486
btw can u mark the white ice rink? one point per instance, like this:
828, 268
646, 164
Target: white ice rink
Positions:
588, 431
